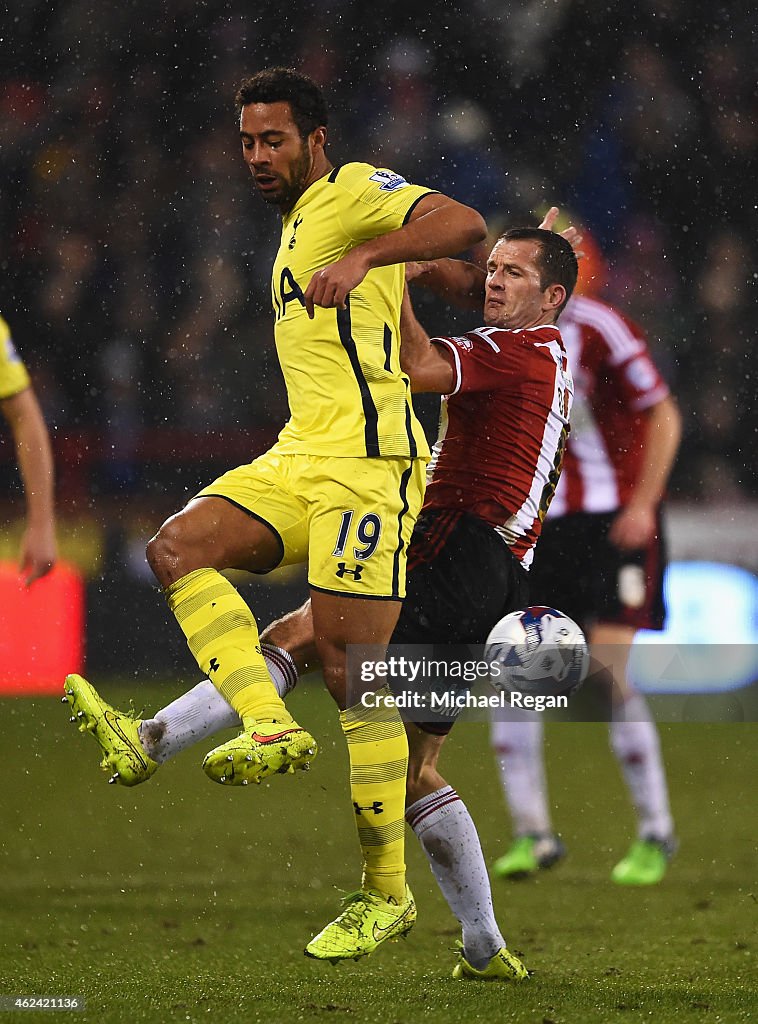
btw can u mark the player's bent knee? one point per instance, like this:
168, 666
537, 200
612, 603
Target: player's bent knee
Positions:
157, 556
167, 554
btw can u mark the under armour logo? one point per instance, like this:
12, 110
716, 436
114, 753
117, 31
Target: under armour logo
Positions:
355, 572
295, 226
377, 807
213, 667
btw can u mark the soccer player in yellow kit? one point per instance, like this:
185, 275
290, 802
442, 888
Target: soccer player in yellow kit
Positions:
340, 489
20, 408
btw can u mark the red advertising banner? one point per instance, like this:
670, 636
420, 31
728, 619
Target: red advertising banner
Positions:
41, 630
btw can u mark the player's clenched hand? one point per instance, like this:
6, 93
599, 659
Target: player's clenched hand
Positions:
633, 527
331, 286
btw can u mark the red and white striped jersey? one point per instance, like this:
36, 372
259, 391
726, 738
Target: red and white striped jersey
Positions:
615, 381
503, 429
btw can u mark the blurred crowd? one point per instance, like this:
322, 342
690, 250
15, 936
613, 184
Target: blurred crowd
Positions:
135, 256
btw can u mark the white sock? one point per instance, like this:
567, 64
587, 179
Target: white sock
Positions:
185, 721
635, 742
202, 710
448, 835
518, 748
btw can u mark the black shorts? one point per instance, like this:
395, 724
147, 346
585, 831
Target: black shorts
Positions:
462, 579
577, 570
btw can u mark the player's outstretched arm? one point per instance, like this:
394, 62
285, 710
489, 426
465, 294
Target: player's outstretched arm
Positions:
456, 281
429, 366
35, 462
438, 226
461, 283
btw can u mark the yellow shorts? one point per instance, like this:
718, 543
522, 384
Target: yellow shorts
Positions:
350, 519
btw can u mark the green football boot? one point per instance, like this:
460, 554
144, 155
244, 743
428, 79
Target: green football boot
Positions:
369, 918
260, 750
503, 966
645, 863
528, 855
117, 734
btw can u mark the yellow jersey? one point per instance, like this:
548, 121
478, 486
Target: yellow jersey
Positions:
13, 375
347, 394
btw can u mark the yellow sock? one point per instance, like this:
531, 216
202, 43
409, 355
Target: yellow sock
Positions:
223, 636
378, 750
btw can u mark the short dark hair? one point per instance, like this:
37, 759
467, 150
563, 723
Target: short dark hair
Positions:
285, 85
556, 262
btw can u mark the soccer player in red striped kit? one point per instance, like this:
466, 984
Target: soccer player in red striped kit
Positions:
601, 560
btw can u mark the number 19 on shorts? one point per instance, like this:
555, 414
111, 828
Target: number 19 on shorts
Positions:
368, 530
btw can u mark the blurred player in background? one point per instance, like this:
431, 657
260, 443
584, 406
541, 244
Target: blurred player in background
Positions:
340, 490
601, 560
21, 410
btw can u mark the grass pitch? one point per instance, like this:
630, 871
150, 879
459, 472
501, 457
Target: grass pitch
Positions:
183, 901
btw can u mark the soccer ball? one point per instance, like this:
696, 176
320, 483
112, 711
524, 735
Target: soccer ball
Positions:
538, 651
